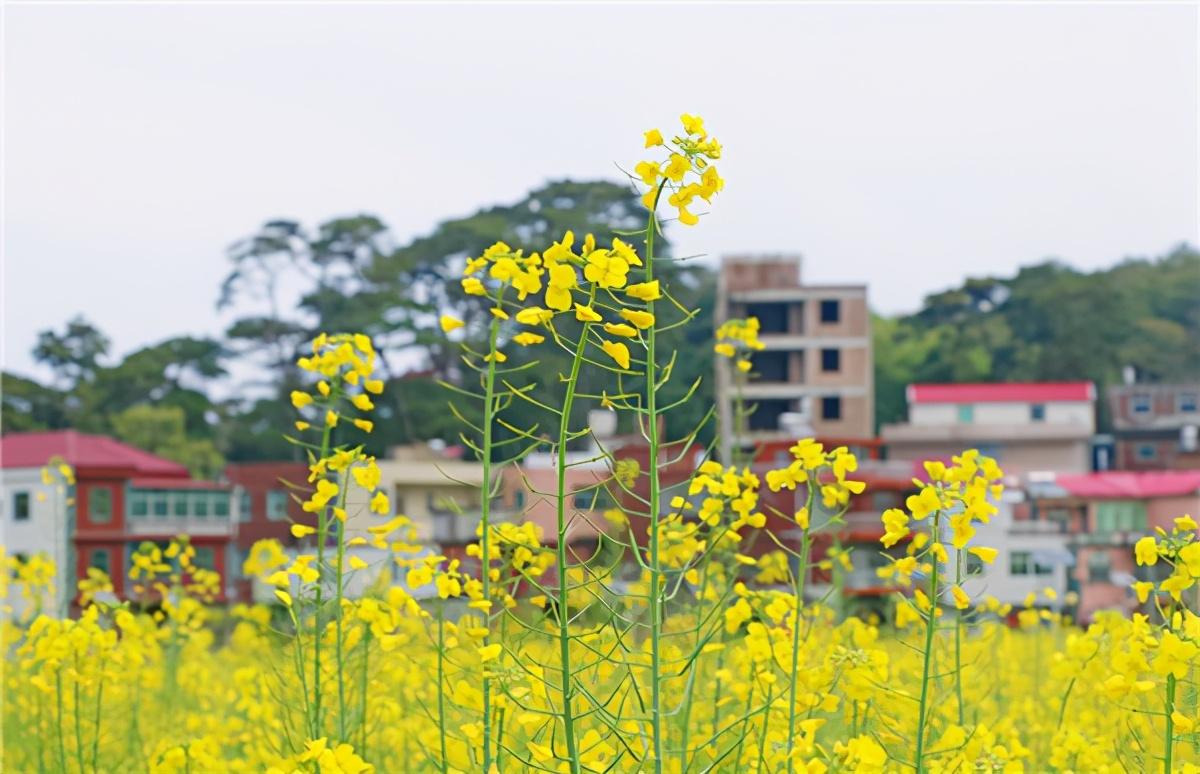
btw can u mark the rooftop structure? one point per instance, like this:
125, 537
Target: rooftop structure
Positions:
1025, 426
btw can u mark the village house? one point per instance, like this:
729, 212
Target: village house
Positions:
1025, 426
1156, 426
816, 367
122, 497
1103, 514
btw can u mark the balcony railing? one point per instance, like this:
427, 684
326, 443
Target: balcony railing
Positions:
1038, 527
173, 525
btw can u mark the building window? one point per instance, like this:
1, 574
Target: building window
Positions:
519, 500
1146, 452
1037, 412
21, 506
180, 505
200, 504
831, 310
1019, 562
1042, 569
974, 565
245, 505
138, 507
1140, 403
1099, 567
160, 503
101, 559
831, 407
595, 499
966, 413
220, 503
1187, 402
204, 559
1120, 516
831, 360
277, 505
100, 505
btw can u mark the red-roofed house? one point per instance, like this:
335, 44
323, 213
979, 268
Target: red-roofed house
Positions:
1026, 426
1103, 514
121, 497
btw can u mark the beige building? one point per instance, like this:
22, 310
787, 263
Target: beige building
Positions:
439, 494
816, 373
1026, 427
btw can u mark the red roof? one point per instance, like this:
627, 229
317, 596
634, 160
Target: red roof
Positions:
1125, 484
1001, 392
172, 482
81, 451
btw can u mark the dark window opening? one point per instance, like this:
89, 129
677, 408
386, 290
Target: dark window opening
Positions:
100, 505
771, 367
831, 311
765, 415
831, 360
21, 506
1099, 567
101, 560
772, 318
1037, 412
831, 407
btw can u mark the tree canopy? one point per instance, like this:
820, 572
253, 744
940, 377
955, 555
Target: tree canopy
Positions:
288, 281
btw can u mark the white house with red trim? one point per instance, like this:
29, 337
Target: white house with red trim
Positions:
1026, 426
121, 497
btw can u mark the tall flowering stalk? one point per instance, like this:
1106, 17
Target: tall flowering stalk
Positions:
955, 496
344, 367
503, 278
822, 476
687, 175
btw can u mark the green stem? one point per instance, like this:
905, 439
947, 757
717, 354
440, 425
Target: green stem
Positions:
341, 581
958, 619
78, 722
1170, 739
652, 440
691, 685
96, 732
930, 626
41, 746
485, 501
762, 732
362, 713
564, 635
739, 414
62, 745
441, 689
322, 538
798, 588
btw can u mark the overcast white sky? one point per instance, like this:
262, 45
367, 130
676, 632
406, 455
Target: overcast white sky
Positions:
902, 146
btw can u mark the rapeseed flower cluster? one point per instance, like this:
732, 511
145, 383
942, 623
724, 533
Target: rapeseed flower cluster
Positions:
737, 340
